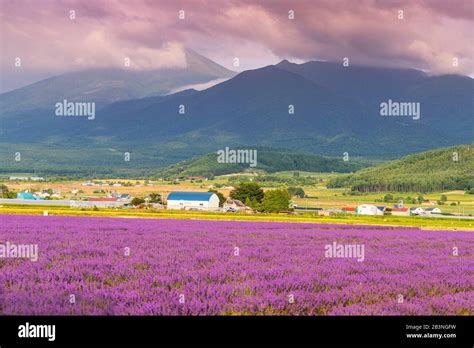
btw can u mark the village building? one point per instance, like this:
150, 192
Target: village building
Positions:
102, 199
26, 195
193, 201
234, 205
433, 210
297, 207
368, 209
417, 211
123, 197
156, 206
400, 211
25, 178
348, 210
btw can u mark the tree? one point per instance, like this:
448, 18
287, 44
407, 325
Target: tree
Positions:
296, 191
444, 198
154, 198
137, 201
247, 190
252, 203
275, 201
6, 193
220, 195
388, 198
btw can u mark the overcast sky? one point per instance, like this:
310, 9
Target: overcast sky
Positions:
259, 33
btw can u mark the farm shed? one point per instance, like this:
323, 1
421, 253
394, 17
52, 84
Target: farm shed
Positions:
433, 210
368, 209
26, 195
348, 210
400, 211
234, 205
192, 201
416, 211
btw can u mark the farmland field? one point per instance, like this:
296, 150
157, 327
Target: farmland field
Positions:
117, 266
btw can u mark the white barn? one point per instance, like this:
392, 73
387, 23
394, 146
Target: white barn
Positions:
193, 201
433, 211
368, 209
417, 211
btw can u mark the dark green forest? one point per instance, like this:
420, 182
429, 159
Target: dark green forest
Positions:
437, 170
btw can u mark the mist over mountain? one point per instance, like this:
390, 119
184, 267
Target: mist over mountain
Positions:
105, 86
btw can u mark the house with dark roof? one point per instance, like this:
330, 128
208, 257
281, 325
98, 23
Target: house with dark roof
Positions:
234, 205
433, 210
417, 211
192, 201
123, 197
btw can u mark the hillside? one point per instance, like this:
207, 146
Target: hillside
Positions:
331, 116
435, 170
268, 161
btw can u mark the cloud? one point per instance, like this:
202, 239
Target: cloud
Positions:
199, 86
259, 32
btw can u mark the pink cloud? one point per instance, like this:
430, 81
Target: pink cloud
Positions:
431, 34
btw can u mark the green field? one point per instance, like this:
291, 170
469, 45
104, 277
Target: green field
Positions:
313, 183
339, 198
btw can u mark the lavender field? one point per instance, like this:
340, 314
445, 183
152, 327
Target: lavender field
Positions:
117, 266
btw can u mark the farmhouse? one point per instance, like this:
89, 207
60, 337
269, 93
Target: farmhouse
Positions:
18, 178
368, 209
400, 211
348, 210
433, 211
192, 201
416, 211
102, 199
123, 197
234, 205
26, 195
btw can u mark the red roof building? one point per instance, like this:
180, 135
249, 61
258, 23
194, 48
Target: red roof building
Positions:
102, 199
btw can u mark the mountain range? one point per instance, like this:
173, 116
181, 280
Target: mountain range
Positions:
317, 107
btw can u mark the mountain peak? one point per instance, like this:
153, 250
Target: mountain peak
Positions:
284, 62
201, 64
108, 85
